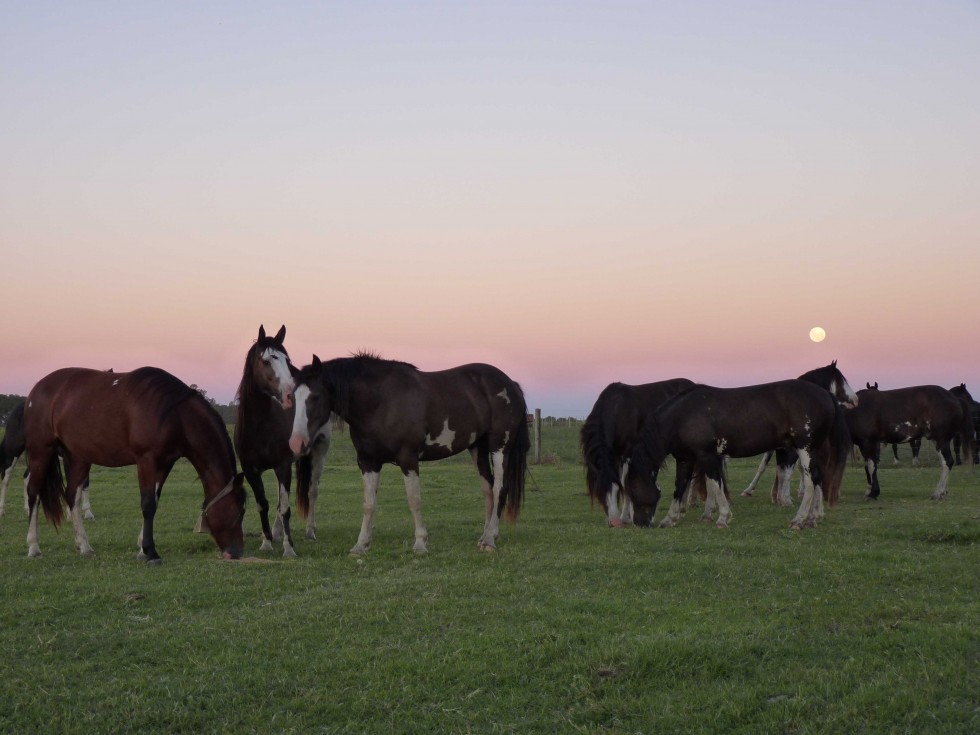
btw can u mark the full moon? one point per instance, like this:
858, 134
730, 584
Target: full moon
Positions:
817, 334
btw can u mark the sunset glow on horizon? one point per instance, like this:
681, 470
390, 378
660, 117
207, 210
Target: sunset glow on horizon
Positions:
577, 194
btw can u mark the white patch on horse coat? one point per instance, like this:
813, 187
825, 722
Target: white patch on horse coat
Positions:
503, 394
722, 445
472, 439
445, 438
116, 381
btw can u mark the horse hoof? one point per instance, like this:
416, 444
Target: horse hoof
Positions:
311, 535
288, 552
615, 523
89, 515
746, 494
34, 552
420, 549
809, 523
721, 524
266, 545
154, 562
87, 552
358, 550
140, 556
488, 548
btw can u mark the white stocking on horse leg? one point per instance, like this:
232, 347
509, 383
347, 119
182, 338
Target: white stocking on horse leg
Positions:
81, 539
281, 511
724, 509
488, 541
413, 490
941, 487
804, 516
33, 549
370, 503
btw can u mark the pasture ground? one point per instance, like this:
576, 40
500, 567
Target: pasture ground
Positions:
867, 624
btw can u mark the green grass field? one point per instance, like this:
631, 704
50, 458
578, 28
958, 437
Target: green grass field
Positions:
867, 624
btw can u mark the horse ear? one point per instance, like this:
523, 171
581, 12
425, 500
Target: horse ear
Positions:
281, 334
261, 331
316, 361
833, 364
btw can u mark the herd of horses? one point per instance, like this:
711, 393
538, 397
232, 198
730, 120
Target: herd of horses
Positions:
397, 414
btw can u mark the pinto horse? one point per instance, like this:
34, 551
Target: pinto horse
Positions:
398, 414
703, 425
262, 439
608, 435
146, 417
831, 379
11, 447
903, 414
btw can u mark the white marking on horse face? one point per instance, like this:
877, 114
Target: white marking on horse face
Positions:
852, 397
301, 431
503, 394
445, 438
279, 364
722, 445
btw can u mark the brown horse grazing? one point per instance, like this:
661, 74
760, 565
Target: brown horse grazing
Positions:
904, 414
608, 434
148, 418
703, 425
398, 414
262, 440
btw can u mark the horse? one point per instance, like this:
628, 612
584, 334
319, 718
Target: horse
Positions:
914, 444
11, 447
146, 417
903, 414
399, 414
704, 424
831, 379
262, 434
608, 434
973, 407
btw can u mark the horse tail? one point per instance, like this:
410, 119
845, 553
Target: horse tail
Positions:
515, 464
304, 478
600, 474
53, 491
835, 451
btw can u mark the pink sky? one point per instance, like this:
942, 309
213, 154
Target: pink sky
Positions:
577, 195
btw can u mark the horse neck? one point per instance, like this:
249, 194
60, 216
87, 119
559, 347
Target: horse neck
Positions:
207, 450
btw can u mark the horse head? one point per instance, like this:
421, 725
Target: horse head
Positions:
224, 513
832, 379
641, 481
269, 368
314, 403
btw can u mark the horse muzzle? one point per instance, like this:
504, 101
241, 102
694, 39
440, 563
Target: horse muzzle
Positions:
298, 445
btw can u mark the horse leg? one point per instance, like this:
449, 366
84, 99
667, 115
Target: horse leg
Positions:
872, 458
945, 464
626, 514
685, 472
76, 473
488, 541
710, 499
284, 475
151, 478
7, 472
747, 492
321, 446
33, 508
254, 478
804, 516
413, 492
916, 445
957, 444
87, 513
370, 475
481, 460
714, 478
785, 465
895, 452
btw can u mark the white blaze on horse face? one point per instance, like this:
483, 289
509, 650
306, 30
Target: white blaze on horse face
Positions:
279, 364
445, 438
301, 431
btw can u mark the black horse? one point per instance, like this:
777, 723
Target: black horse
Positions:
262, 439
608, 435
401, 415
703, 425
973, 407
11, 447
903, 414
914, 444
831, 379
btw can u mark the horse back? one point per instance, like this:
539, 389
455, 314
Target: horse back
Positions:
901, 414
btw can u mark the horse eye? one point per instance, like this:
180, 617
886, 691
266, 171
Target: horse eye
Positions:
266, 363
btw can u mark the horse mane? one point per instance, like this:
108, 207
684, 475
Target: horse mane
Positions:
169, 392
336, 375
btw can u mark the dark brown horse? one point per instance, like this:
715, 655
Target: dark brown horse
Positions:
146, 418
973, 407
608, 434
705, 424
262, 439
903, 414
401, 415
831, 379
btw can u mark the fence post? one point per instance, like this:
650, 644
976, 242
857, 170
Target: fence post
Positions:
537, 436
